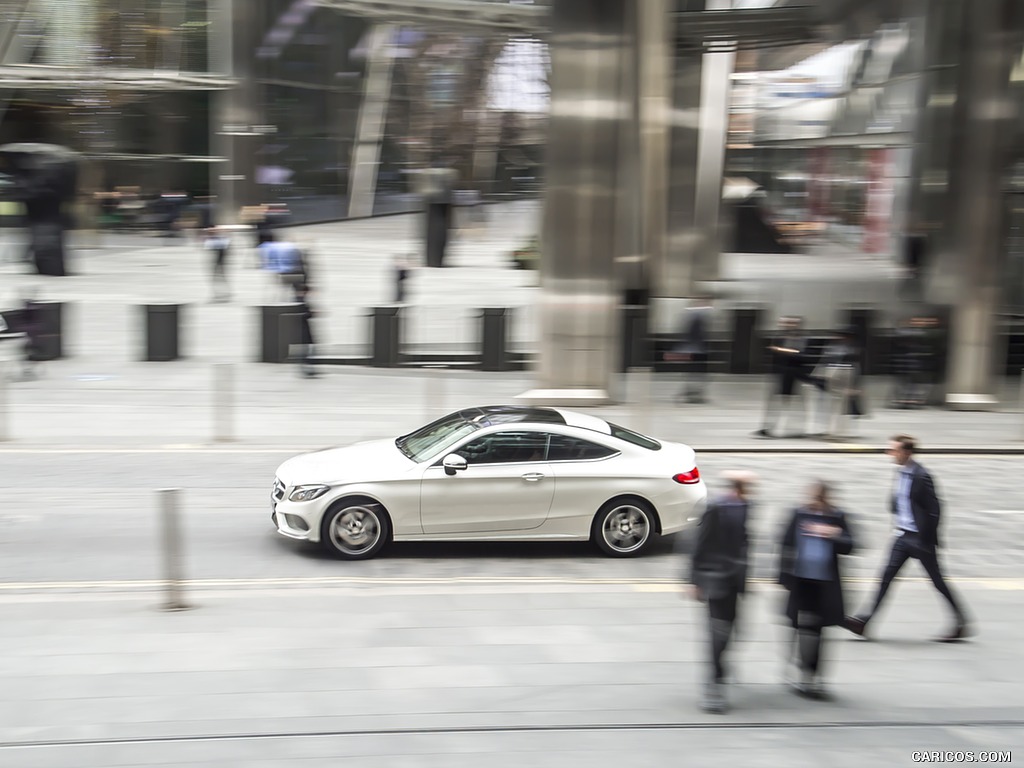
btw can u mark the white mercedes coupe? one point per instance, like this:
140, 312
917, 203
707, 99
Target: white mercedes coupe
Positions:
497, 473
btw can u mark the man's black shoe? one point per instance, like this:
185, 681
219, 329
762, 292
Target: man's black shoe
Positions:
855, 625
960, 632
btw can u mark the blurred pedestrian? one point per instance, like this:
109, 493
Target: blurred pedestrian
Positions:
218, 244
917, 513
283, 261
908, 351
791, 371
28, 321
306, 338
817, 533
718, 576
692, 351
402, 266
839, 372
915, 255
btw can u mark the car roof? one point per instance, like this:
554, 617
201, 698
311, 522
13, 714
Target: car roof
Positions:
494, 415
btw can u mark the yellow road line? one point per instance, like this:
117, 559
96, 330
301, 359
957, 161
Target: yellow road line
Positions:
645, 584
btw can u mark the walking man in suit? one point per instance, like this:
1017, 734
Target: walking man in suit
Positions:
917, 511
718, 576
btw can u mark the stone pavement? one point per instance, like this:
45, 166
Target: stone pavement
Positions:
101, 395
353, 270
95, 404
464, 672
441, 655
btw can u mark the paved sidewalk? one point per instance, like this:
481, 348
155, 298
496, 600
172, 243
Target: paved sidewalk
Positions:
464, 673
87, 404
101, 396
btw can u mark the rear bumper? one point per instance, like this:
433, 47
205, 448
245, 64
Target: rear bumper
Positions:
682, 512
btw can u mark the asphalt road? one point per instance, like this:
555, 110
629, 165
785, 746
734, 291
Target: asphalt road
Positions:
89, 517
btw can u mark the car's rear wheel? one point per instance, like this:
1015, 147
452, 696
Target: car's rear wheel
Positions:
355, 530
624, 527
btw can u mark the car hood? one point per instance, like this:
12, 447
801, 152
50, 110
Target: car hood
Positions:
359, 463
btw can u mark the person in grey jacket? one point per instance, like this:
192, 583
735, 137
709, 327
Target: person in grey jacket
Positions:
718, 575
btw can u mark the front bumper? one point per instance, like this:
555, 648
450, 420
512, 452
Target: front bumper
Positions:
300, 521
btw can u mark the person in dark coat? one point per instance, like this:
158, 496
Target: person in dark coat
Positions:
839, 371
306, 339
792, 370
718, 574
692, 350
915, 256
817, 533
916, 513
218, 244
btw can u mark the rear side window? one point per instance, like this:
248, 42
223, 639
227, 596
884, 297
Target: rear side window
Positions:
634, 437
565, 448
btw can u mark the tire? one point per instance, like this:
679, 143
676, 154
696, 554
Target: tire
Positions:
355, 530
624, 527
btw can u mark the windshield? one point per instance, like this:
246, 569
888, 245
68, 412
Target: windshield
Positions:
430, 440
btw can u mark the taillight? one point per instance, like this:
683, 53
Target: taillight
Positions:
688, 478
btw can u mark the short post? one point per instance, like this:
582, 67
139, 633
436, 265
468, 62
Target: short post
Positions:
287, 336
1020, 400
170, 515
640, 395
223, 402
434, 395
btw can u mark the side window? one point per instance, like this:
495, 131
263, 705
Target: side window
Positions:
505, 448
565, 448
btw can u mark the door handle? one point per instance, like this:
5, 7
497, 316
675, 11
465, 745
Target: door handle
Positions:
533, 477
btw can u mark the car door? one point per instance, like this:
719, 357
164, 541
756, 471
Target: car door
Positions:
587, 474
507, 485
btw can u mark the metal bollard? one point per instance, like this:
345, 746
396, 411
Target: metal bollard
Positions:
1021, 401
287, 336
170, 517
223, 402
434, 392
640, 396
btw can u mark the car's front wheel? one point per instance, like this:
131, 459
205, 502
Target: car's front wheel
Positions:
624, 527
355, 530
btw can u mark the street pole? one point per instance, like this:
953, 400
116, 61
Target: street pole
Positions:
171, 545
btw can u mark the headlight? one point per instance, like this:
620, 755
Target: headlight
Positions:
307, 492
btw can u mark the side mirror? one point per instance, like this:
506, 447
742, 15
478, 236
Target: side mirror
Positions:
453, 463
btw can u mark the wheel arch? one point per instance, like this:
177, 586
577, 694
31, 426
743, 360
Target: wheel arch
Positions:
356, 497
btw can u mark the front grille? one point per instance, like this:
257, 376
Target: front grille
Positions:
278, 492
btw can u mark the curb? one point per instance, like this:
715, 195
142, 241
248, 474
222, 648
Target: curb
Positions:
869, 450
12, 447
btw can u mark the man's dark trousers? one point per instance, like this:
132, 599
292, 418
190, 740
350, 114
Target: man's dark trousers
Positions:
906, 547
722, 612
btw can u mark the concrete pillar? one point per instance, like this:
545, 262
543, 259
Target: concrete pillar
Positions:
675, 275
362, 180
713, 131
591, 104
71, 30
655, 54
233, 40
700, 125
984, 125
